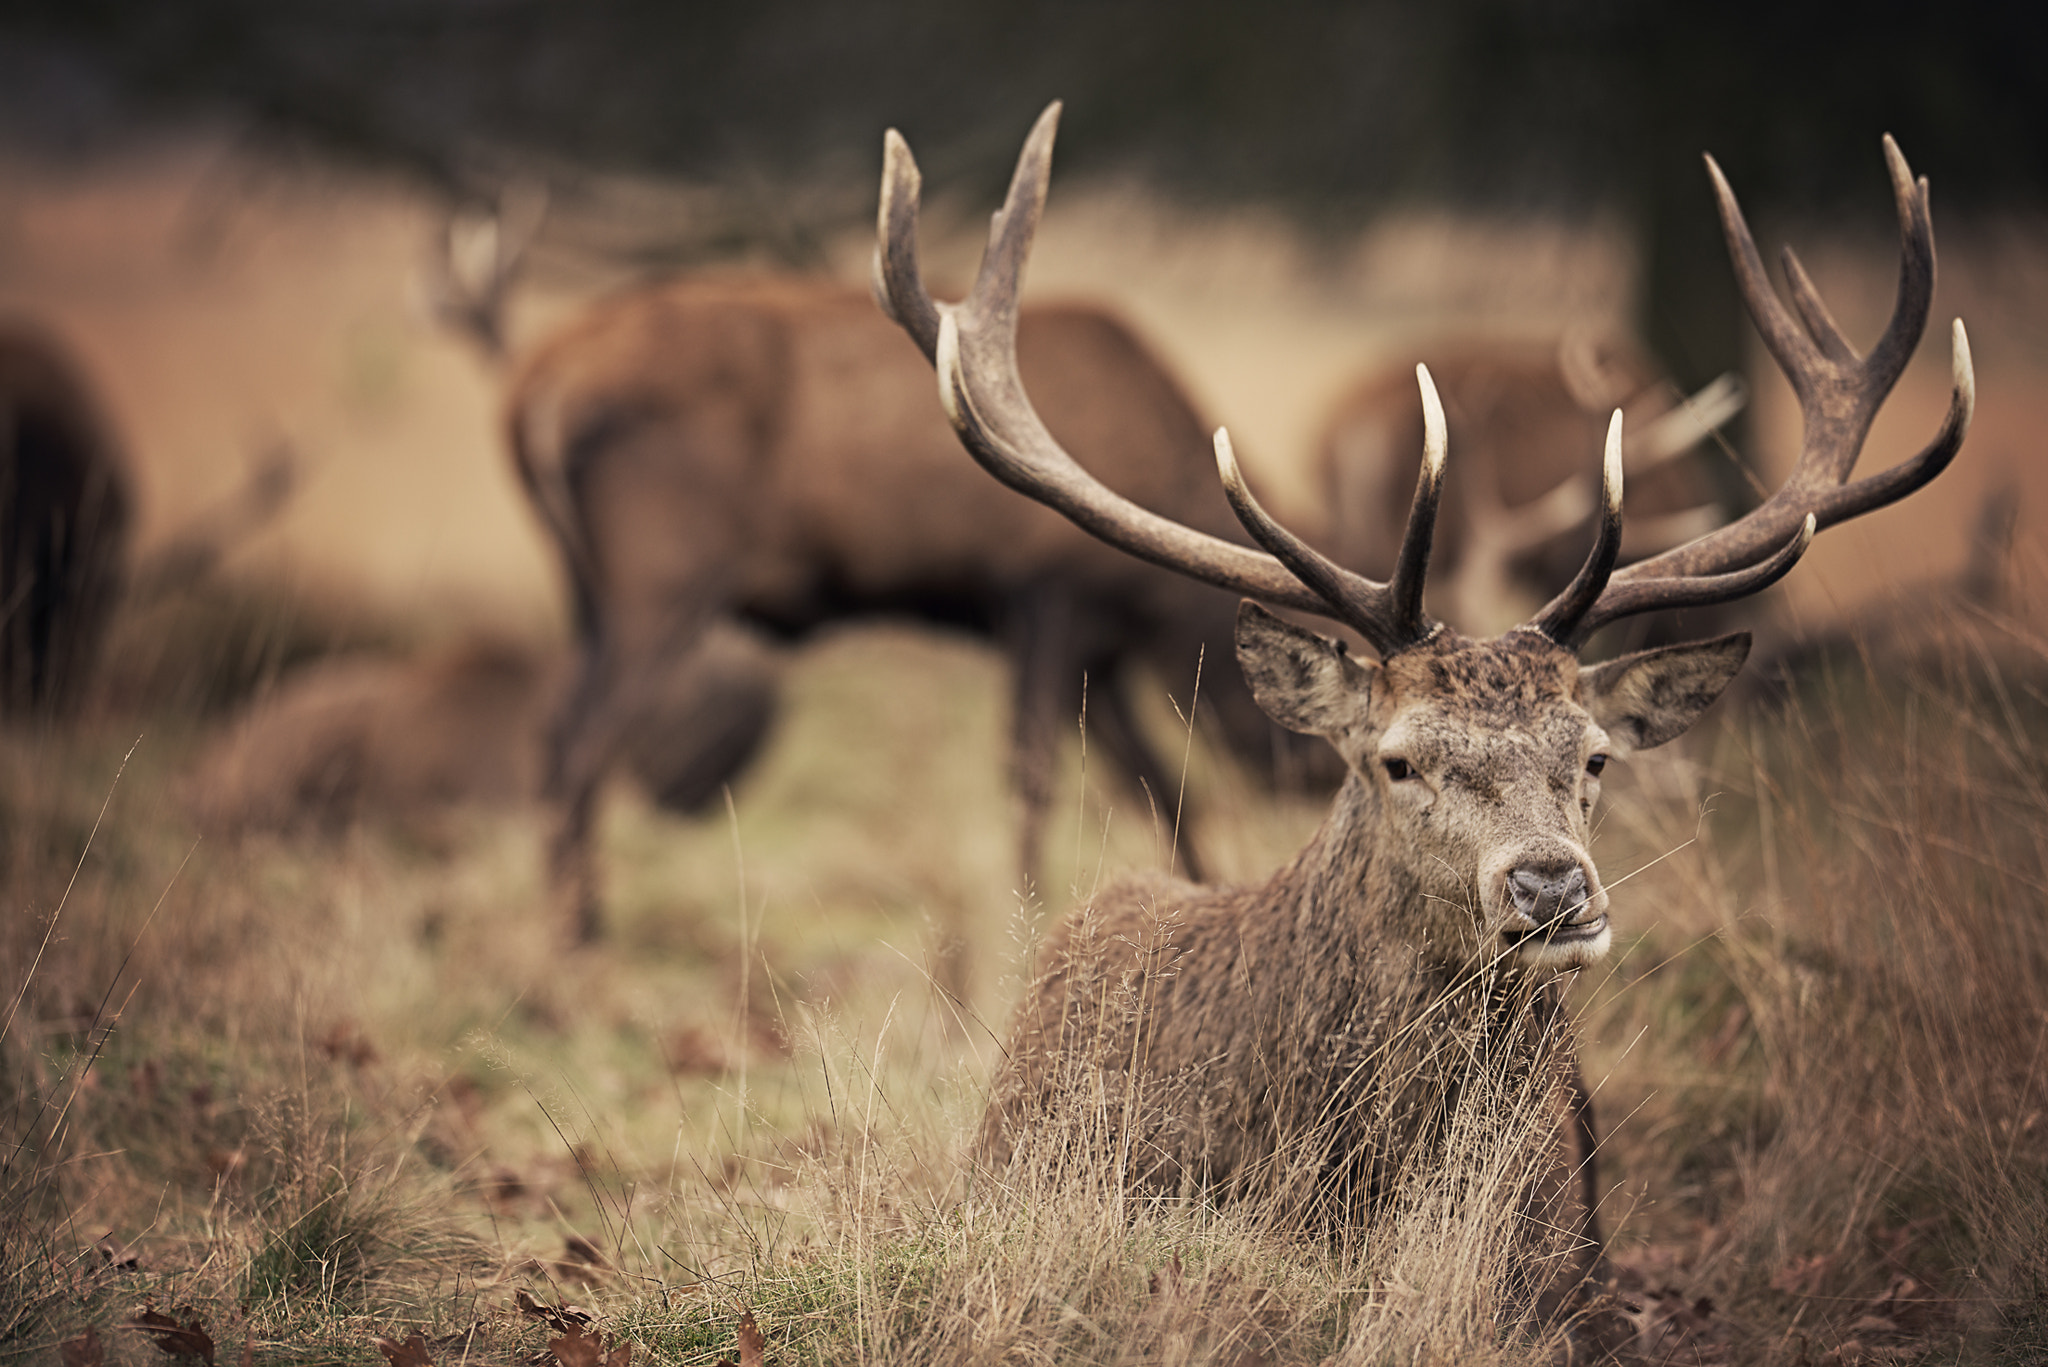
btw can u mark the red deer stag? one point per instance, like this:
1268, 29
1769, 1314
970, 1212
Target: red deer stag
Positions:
64, 525
1522, 415
1304, 1037
747, 448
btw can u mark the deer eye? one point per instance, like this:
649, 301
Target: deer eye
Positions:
1595, 765
1399, 770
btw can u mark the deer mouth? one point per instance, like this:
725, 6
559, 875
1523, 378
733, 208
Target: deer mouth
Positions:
1587, 925
1582, 929
1567, 942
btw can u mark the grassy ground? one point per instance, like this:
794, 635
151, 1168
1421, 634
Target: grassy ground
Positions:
306, 1095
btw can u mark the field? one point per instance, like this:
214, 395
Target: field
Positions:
307, 1095
299, 1096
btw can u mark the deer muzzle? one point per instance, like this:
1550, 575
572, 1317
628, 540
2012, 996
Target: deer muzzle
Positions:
1554, 912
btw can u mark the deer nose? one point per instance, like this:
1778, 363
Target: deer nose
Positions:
1543, 895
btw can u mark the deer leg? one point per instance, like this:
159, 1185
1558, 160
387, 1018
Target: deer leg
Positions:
1045, 679
579, 752
693, 712
1115, 727
706, 717
644, 547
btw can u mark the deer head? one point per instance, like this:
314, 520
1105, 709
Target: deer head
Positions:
1474, 764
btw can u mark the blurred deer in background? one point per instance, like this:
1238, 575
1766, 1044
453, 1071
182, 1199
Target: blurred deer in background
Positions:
751, 407
65, 511
1299, 1041
1522, 415
765, 450
706, 720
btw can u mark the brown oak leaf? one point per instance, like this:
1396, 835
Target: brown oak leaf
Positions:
411, 1353
578, 1349
560, 1318
173, 1339
83, 1351
752, 1349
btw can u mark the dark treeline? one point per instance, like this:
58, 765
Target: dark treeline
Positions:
1333, 110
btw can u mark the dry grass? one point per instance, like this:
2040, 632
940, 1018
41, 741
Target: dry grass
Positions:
321, 1093
1832, 1041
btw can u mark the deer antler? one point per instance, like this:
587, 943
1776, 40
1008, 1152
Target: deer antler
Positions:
973, 346
466, 286
1839, 395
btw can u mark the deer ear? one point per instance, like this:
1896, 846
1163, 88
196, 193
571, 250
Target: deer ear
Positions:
1652, 696
1304, 681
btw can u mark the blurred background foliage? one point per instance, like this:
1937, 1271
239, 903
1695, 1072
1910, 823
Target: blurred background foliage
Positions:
1330, 111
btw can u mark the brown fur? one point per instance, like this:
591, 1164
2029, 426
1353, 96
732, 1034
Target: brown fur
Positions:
772, 449
1301, 1040
64, 525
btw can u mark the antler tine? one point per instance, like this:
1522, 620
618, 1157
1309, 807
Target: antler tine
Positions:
1915, 298
1404, 590
973, 346
1793, 350
1839, 396
1621, 600
1560, 619
1372, 609
1015, 225
1814, 312
897, 279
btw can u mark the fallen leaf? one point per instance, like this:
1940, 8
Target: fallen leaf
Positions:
560, 1318
578, 1349
83, 1351
411, 1353
174, 1339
